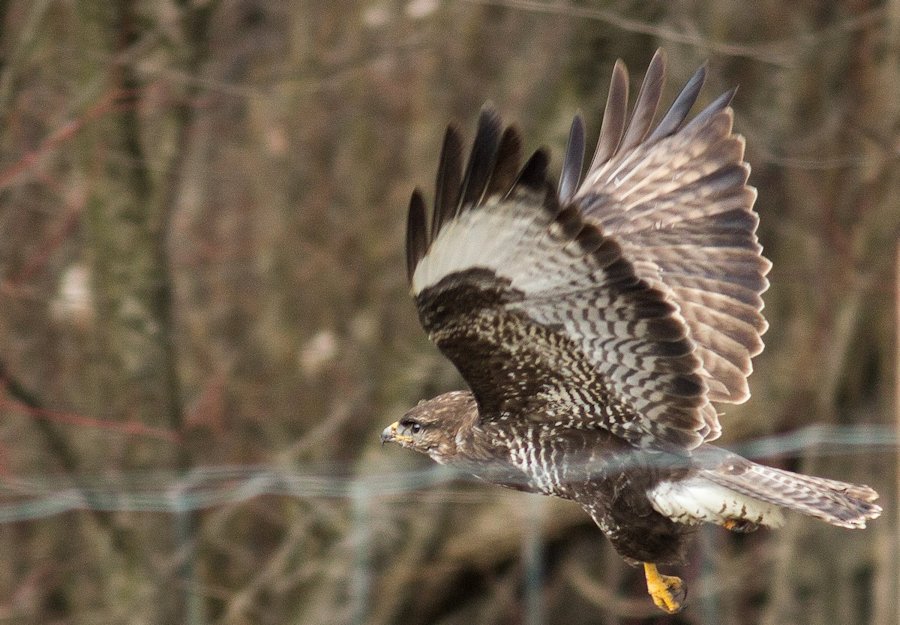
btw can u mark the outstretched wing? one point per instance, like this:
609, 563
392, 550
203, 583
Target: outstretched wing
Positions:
677, 201
546, 314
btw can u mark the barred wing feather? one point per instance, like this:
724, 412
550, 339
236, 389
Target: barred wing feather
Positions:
627, 302
679, 206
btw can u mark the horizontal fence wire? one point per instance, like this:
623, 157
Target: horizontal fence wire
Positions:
36, 497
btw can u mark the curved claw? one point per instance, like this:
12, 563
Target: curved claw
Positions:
667, 591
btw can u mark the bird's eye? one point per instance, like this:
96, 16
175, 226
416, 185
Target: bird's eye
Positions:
413, 426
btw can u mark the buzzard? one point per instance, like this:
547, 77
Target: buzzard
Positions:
597, 322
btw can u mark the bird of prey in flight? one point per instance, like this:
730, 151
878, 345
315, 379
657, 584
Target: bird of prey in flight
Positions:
597, 322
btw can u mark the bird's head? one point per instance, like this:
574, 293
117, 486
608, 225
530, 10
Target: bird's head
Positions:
434, 426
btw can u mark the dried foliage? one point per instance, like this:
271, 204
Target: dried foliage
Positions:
201, 215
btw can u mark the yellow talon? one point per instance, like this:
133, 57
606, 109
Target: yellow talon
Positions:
668, 592
741, 526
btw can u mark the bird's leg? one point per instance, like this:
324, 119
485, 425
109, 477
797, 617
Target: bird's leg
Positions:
740, 526
668, 592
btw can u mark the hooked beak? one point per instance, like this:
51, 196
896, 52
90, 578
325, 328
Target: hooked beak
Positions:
391, 434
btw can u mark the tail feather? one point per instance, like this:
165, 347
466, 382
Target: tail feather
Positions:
838, 503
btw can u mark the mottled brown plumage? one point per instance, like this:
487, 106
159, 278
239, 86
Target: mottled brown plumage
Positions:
596, 322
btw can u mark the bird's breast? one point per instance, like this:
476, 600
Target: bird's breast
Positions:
556, 460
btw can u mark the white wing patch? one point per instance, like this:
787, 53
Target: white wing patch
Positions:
489, 237
697, 500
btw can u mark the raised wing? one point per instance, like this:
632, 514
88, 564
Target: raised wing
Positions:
677, 201
546, 314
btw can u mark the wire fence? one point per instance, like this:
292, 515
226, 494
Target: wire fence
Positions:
29, 499
35, 497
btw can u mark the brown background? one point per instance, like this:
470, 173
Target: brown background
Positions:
201, 220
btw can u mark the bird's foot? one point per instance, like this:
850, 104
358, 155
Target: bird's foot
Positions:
741, 526
667, 591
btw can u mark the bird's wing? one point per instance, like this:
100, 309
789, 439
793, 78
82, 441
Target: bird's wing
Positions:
676, 200
546, 315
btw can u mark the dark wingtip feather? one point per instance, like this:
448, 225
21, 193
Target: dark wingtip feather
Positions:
719, 104
482, 157
449, 175
416, 233
647, 102
678, 112
534, 174
508, 161
613, 125
573, 161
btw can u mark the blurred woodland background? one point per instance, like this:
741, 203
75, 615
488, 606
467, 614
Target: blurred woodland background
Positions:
202, 207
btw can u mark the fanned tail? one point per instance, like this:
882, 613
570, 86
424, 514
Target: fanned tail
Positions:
838, 503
